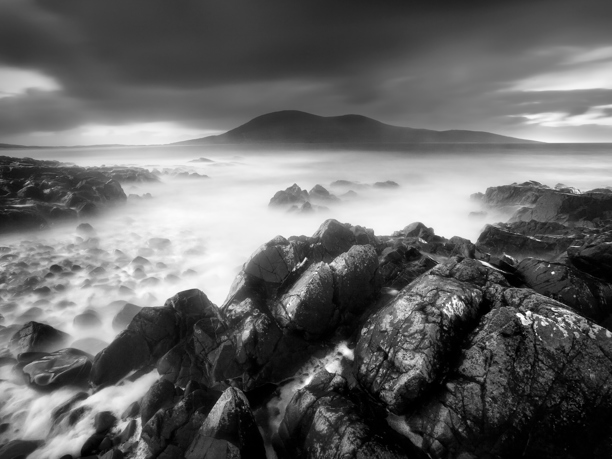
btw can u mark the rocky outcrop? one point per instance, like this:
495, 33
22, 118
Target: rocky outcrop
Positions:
67, 367
38, 337
324, 420
35, 194
533, 380
408, 345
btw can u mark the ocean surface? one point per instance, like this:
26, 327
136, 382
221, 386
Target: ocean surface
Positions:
215, 223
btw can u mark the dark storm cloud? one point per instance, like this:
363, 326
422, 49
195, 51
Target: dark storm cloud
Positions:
213, 64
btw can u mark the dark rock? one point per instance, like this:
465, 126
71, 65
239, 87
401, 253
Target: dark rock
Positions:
498, 241
535, 376
159, 327
331, 239
321, 421
128, 351
104, 421
231, 420
92, 445
34, 336
131, 411
128, 432
19, 448
68, 367
62, 410
159, 395
593, 258
123, 318
273, 261
192, 306
585, 294
406, 346
115, 453
307, 306
292, 195
178, 425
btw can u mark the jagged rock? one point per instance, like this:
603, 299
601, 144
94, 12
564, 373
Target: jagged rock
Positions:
159, 395
192, 306
357, 282
407, 345
330, 240
319, 193
34, 337
177, 426
594, 258
129, 351
67, 367
532, 381
590, 297
231, 420
158, 327
273, 261
292, 195
496, 240
322, 421
307, 307
560, 207
516, 194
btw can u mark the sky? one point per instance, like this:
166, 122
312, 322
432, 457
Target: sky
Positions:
79, 72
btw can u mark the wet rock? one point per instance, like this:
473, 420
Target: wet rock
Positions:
67, 367
19, 448
497, 240
536, 377
159, 395
273, 261
62, 410
307, 306
35, 336
131, 411
565, 207
104, 421
588, 296
192, 306
123, 318
92, 445
129, 351
115, 453
406, 346
322, 421
177, 426
357, 282
594, 258
158, 327
331, 239
516, 194
90, 345
231, 420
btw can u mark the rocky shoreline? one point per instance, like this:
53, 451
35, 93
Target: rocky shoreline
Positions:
426, 347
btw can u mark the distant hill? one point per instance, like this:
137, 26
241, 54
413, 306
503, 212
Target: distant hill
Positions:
292, 126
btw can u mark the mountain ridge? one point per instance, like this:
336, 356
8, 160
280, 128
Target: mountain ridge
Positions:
297, 127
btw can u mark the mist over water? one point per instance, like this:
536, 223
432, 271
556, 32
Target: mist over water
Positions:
214, 224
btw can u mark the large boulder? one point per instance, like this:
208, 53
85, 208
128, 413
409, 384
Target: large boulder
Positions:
408, 345
322, 421
273, 261
129, 351
292, 195
594, 258
67, 367
38, 337
174, 428
230, 420
331, 239
587, 295
533, 380
307, 307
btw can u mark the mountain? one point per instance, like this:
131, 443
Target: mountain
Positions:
11, 146
292, 126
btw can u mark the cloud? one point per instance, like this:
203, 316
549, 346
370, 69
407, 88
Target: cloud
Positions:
215, 64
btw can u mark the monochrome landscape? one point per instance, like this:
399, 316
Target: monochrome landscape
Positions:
286, 247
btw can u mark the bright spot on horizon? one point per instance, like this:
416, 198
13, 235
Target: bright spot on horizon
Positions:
151, 133
600, 115
15, 81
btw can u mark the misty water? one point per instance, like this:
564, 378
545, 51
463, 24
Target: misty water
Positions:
215, 223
